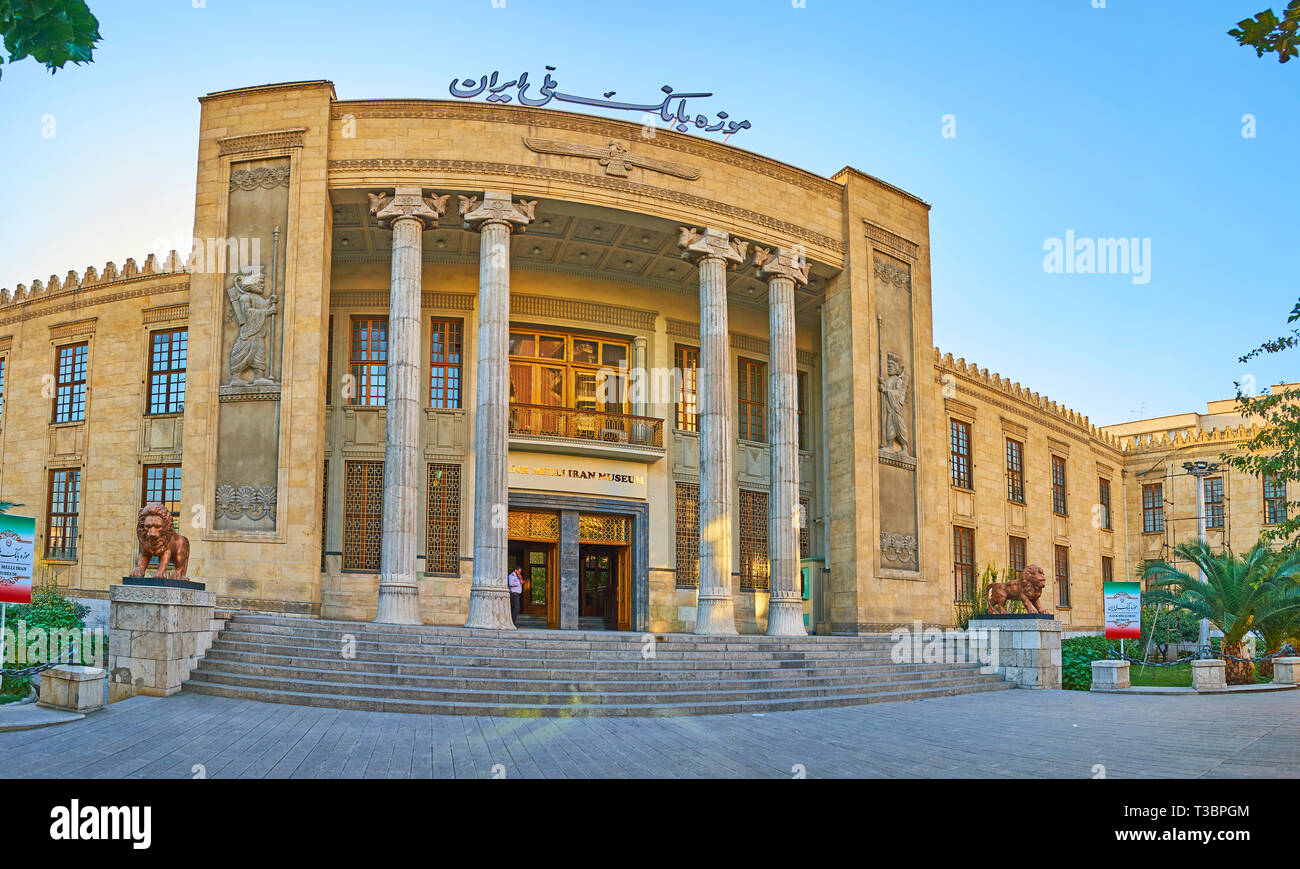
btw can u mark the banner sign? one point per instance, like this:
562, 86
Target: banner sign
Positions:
17, 558
1123, 609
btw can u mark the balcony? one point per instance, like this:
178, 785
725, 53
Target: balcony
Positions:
586, 432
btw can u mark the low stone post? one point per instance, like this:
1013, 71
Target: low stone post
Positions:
1028, 648
1285, 671
156, 637
1109, 675
72, 688
1211, 675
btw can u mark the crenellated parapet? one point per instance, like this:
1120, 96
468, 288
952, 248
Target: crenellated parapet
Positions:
91, 278
1158, 442
1033, 402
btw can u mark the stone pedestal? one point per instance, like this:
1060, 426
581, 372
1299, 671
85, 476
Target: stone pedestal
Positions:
1110, 675
156, 636
1286, 671
1209, 675
1028, 648
73, 688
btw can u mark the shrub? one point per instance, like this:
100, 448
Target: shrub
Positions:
1077, 655
49, 610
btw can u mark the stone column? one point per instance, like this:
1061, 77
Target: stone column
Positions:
409, 213
783, 269
714, 252
494, 218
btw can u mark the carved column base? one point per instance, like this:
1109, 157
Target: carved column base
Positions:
715, 617
399, 603
785, 618
489, 608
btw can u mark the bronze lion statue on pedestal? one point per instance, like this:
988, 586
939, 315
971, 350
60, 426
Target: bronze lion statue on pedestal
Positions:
159, 539
1027, 589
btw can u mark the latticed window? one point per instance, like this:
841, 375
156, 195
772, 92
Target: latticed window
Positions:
753, 540
688, 535
1214, 502
324, 503
530, 525
1015, 471
1059, 504
363, 515
1107, 569
64, 507
329, 364
2, 385
753, 396
368, 363
959, 450
963, 563
805, 534
1153, 508
444, 364
687, 362
162, 485
1016, 558
1062, 576
1103, 502
70, 383
442, 546
599, 528
1274, 499
167, 353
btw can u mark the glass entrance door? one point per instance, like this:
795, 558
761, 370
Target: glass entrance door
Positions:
535, 560
598, 583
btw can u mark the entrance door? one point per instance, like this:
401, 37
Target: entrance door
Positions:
537, 562
598, 583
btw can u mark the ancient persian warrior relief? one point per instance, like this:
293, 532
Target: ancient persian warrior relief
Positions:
893, 392
254, 308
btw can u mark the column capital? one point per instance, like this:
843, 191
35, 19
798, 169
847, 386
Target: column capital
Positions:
497, 208
782, 263
702, 244
408, 202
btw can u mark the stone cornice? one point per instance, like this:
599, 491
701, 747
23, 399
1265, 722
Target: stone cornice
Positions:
79, 300
891, 242
596, 126
73, 329
518, 170
273, 140
6, 342
269, 88
746, 343
165, 314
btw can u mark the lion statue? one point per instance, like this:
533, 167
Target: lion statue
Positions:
1027, 589
158, 538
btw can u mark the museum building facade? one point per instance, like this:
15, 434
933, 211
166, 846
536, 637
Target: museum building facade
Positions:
681, 386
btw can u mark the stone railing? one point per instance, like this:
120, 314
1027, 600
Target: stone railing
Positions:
535, 420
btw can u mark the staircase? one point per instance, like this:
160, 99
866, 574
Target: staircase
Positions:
449, 670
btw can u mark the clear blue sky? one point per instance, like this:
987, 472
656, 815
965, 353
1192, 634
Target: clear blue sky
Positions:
1120, 121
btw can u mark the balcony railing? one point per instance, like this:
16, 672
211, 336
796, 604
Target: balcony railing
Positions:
535, 420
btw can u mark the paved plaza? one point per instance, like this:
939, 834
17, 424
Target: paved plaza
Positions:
1056, 734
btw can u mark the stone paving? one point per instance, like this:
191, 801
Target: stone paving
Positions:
1056, 734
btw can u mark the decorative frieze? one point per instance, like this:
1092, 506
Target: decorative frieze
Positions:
74, 329
614, 157
275, 140
892, 274
891, 242
165, 314
265, 177
583, 311
253, 502
899, 549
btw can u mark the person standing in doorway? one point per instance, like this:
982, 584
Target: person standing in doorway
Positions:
516, 593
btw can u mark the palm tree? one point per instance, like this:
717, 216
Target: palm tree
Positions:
1238, 593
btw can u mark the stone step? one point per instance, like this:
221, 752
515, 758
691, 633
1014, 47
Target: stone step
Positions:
448, 633
476, 657
640, 670
544, 648
529, 697
571, 682
454, 670
713, 707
